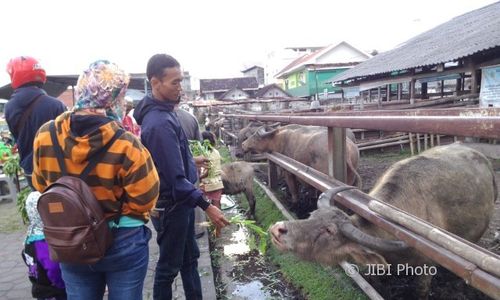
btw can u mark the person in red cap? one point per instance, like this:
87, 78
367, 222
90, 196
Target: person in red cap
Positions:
29, 107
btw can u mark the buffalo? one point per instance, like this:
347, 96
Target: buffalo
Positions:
452, 187
306, 144
237, 177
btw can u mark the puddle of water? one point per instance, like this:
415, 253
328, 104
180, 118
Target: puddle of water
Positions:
252, 290
238, 244
242, 272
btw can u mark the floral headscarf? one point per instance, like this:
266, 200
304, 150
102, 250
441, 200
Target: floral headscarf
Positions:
102, 85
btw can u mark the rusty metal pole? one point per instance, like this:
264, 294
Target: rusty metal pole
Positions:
337, 167
272, 174
473, 126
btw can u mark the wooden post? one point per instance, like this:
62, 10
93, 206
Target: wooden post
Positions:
412, 91
442, 88
419, 149
337, 166
473, 79
424, 90
400, 90
432, 140
458, 86
388, 93
425, 141
272, 175
379, 99
412, 145
438, 139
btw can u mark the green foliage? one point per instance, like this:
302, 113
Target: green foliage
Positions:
224, 154
198, 148
21, 203
250, 224
11, 166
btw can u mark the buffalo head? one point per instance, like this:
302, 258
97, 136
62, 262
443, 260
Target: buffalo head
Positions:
260, 140
328, 236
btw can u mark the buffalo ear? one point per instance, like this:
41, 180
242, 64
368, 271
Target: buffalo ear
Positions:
266, 131
364, 256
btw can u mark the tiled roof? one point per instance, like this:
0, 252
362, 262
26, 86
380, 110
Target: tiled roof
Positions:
263, 90
251, 68
460, 37
244, 83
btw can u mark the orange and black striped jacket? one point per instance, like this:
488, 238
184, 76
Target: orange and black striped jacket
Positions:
125, 172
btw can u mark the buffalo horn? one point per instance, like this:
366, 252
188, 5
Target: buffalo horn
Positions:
355, 234
263, 133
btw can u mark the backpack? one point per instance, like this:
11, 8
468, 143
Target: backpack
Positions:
74, 224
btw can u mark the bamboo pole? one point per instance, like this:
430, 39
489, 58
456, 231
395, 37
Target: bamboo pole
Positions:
375, 146
397, 138
419, 149
412, 144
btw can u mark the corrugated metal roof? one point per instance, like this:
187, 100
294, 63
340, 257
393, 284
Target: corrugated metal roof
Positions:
460, 37
244, 83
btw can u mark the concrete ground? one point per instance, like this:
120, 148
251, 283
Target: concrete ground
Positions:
14, 283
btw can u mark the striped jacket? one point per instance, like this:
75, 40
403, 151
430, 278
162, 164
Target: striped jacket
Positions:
126, 169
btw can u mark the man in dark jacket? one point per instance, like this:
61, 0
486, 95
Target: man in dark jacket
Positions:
173, 217
29, 107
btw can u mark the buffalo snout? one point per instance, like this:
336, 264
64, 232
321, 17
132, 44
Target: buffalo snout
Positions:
278, 231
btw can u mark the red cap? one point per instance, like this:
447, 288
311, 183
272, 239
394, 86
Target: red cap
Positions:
24, 69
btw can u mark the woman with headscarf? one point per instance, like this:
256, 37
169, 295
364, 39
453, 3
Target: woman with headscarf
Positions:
124, 181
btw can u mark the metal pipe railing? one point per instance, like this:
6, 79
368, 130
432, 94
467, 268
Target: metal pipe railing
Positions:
472, 126
492, 112
358, 202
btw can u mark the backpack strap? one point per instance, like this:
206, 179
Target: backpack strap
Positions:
20, 124
92, 162
57, 148
99, 154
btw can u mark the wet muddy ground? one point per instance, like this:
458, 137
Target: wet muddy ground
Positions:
240, 271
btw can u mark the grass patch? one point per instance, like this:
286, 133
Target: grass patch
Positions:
224, 154
315, 281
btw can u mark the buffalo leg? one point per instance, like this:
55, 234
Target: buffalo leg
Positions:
292, 185
251, 204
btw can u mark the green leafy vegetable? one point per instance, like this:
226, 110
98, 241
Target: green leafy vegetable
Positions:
250, 224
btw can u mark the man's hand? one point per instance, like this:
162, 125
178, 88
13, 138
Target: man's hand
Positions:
201, 162
217, 217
